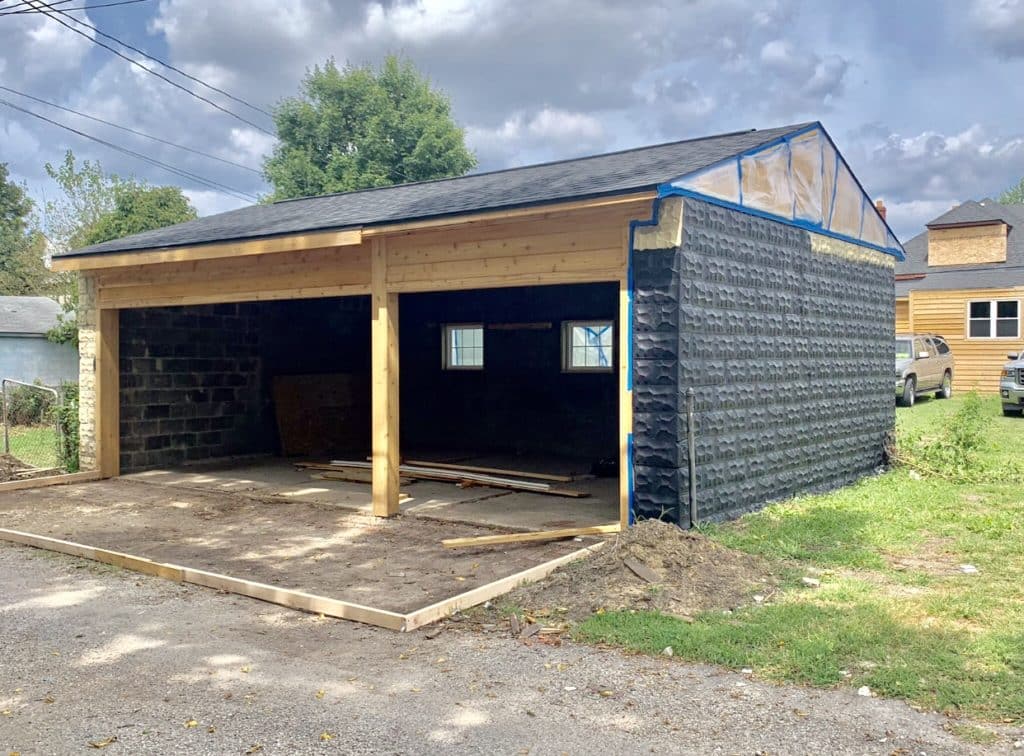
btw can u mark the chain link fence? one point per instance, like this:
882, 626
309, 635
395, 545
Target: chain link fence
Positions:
32, 441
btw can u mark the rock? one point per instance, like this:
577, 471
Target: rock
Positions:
864, 690
514, 625
641, 570
968, 569
758, 598
667, 651
810, 582
746, 671
914, 475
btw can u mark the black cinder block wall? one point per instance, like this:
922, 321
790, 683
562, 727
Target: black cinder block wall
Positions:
788, 347
191, 385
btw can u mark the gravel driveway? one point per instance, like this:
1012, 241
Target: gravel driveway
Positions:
89, 653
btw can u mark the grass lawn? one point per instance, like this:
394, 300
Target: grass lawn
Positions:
36, 446
894, 610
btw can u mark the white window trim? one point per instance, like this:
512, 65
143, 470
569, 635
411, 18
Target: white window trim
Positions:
992, 318
446, 354
567, 366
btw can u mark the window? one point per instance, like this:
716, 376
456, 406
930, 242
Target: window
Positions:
940, 345
587, 346
464, 347
993, 319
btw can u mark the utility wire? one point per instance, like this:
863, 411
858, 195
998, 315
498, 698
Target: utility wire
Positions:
8, 12
134, 62
163, 63
172, 169
130, 130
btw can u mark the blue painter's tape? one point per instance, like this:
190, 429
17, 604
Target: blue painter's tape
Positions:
629, 477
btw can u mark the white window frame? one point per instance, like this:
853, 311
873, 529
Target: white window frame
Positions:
567, 328
446, 342
992, 319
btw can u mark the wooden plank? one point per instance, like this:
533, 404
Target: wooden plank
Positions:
523, 212
552, 263
272, 594
108, 412
384, 382
50, 480
625, 332
453, 476
271, 245
263, 295
534, 537
492, 471
483, 593
597, 275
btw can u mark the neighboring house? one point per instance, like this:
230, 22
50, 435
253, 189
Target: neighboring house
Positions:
963, 279
25, 353
543, 310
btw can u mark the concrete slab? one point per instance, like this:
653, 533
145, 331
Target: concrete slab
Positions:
278, 478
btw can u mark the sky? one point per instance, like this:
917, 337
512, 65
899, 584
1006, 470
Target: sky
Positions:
921, 96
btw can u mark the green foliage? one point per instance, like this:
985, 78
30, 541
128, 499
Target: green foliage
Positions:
94, 207
22, 270
1014, 195
139, 208
957, 451
359, 128
28, 406
894, 611
66, 415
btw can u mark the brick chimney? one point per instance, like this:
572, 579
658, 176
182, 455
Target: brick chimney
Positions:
880, 206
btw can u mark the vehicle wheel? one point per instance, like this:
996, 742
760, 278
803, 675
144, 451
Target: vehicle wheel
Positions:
909, 387
1012, 412
947, 387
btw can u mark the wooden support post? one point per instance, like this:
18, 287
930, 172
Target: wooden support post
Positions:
108, 413
384, 325
625, 398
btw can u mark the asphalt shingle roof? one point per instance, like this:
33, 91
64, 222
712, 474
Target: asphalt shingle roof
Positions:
973, 276
614, 173
27, 316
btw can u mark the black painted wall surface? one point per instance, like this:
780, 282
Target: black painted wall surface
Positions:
191, 385
787, 349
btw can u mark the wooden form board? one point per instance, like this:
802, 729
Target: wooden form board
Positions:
300, 600
533, 537
50, 480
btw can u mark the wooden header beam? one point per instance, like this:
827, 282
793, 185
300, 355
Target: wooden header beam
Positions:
291, 243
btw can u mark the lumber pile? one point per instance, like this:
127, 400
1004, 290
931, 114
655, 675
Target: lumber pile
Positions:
460, 475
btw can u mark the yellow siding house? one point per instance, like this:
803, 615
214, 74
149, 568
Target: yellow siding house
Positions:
963, 279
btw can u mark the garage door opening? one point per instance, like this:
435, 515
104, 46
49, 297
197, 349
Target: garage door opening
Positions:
517, 379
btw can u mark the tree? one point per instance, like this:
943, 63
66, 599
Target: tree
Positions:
1014, 195
22, 247
359, 128
139, 208
94, 207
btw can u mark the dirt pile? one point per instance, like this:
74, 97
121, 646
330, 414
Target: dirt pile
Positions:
680, 573
9, 465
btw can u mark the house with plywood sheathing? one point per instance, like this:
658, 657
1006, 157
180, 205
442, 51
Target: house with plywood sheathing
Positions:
963, 279
552, 310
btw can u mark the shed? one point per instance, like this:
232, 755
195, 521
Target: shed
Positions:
555, 311
26, 355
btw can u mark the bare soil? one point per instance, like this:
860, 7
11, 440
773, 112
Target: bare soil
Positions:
9, 465
694, 574
398, 564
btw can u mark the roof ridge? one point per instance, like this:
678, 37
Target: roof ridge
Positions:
787, 128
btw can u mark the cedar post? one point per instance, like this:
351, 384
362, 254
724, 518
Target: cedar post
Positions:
384, 381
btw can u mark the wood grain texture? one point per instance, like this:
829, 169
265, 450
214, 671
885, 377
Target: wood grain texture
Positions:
384, 386
533, 537
50, 480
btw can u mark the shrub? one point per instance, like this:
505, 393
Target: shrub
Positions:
28, 406
66, 414
957, 453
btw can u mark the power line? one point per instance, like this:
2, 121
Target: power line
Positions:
134, 62
6, 11
163, 63
130, 130
172, 169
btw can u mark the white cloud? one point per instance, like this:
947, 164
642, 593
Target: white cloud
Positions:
547, 134
1001, 24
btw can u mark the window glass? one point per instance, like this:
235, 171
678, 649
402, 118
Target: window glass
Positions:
981, 309
980, 329
464, 347
930, 348
941, 346
903, 349
588, 345
998, 319
1006, 308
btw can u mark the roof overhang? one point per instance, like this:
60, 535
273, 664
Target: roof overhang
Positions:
345, 237
970, 224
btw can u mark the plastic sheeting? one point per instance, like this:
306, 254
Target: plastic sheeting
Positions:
800, 179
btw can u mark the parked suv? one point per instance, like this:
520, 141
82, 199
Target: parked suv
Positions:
924, 364
1011, 385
